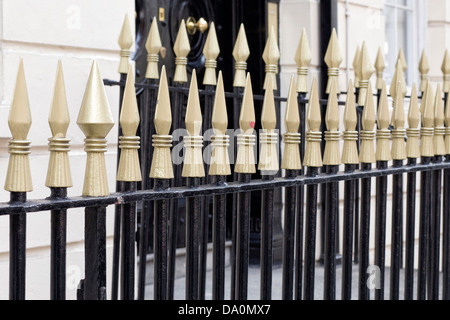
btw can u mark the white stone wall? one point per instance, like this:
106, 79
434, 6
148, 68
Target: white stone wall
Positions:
42, 32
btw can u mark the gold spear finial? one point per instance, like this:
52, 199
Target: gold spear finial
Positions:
367, 151
366, 71
153, 46
58, 172
333, 59
211, 51
427, 130
292, 138
193, 142
446, 71
356, 65
18, 177
379, 67
439, 119
241, 52
383, 152
313, 154
245, 159
424, 68
181, 48
95, 120
271, 55
129, 168
447, 129
303, 59
399, 132
268, 158
350, 149
413, 132
398, 82
162, 167
424, 98
402, 59
220, 161
125, 42
332, 155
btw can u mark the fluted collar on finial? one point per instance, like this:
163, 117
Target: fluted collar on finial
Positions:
241, 52
153, 46
125, 42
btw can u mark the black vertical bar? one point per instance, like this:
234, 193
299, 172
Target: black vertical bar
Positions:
193, 214
17, 250
219, 229
396, 242
116, 241
435, 231
58, 247
425, 207
266, 241
410, 231
298, 271
446, 234
349, 207
290, 200
160, 241
380, 228
359, 111
330, 250
364, 234
243, 240
95, 253
128, 212
310, 240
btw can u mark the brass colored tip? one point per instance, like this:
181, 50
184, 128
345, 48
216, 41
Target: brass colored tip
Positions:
126, 36
153, 43
129, 115
368, 116
268, 114
292, 119
182, 47
163, 113
414, 113
247, 115
241, 51
314, 118
332, 113
219, 114
350, 115
383, 110
59, 117
193, 117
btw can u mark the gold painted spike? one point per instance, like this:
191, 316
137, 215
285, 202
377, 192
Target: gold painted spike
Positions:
58, 172
181, 48
163, 113
350, 149
424, 98
379, 67
193, 117
402, 59
241, 52
153, 46
427, 131
211, 51
245, 159
125, 42
303, 59
398, 114
366, 71
383, 110
398, 82
332, 135
333, 59
271, 56
413, 132
129, 115
291, 158
383, 152
219, 114
220, 161
368, 116
399, 132
18, 177
268, 113
447, 129
446, 71
439, 119
428, 109
356, 67
313, 154
95, 120
268, 158
367, 151
424, 68
162, 166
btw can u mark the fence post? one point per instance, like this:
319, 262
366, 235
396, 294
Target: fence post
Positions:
413, 153
219, 168
351, 160
424, 68
383, 156
313, 160
193, 170
446, 210
129, 173
18, 183
367, 158
303, 59
95, 120
427, 152
292, 164
245, 166
332, 160
58, 180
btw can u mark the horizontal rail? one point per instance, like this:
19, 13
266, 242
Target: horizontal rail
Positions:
8, 208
